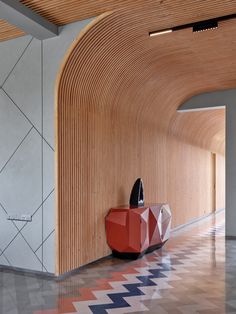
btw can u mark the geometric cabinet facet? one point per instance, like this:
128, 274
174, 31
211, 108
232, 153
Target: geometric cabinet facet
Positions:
132, 232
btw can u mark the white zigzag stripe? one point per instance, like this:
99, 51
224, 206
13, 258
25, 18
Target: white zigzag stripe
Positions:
188, 261
136, 302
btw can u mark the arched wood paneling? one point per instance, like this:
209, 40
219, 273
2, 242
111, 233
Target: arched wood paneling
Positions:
206, 129
220, 181
160, 13
117, 96
156, 14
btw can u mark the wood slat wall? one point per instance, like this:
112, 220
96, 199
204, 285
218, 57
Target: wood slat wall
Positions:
117, 96
220, 181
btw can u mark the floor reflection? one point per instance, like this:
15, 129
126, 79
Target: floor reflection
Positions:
194, 273
230, 276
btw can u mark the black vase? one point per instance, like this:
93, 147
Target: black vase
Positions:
137, 196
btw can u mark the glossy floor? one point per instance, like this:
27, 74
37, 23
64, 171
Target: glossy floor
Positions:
194, 273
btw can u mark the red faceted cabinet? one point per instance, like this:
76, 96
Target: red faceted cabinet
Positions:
135, 230
131, 232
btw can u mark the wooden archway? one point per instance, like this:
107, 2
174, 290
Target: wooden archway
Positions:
117, 96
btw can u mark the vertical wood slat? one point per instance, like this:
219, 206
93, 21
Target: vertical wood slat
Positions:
117, 96
220, 182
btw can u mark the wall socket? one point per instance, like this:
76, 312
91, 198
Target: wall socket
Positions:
17, 217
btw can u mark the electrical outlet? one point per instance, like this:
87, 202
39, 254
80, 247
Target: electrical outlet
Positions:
23, 217
26, 217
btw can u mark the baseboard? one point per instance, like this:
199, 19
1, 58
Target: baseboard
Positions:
195, 220
78, 269
27, 272
230, 237
65, 275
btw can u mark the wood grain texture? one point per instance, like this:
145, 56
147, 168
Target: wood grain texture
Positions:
156, 14
117, 96
220, 182
8, 31
163, 13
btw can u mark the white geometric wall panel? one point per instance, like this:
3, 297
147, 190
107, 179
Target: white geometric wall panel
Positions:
10, 54
24, 84
28, 70
10, 136
22, 159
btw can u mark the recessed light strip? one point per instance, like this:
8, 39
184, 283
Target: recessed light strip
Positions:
197, 26
162, 32
205, 26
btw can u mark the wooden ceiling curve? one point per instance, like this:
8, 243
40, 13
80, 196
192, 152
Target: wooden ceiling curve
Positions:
147, 79
117, 97
62, 12
157, 14
8, 31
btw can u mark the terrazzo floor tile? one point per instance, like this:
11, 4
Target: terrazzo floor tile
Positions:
193, 273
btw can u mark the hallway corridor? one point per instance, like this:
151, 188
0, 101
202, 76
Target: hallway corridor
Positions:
191, 274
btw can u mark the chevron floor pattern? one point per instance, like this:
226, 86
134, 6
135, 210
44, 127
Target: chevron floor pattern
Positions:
194, 273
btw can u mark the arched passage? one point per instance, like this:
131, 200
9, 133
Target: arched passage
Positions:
117, 97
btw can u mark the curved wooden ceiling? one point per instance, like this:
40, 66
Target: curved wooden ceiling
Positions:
158, 14
8, 31
118, 92
172, 60
148, 78
168, 12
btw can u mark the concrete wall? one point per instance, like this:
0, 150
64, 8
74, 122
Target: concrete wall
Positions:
230, 212
28, 69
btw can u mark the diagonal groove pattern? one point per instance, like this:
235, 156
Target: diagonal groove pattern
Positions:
19, 232
26, 167
53, 231
13, 102
22, 54
22, 228
1, 170
2, 253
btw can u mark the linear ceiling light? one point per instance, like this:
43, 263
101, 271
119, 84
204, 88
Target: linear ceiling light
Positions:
205, 26
196, 27
165, 31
